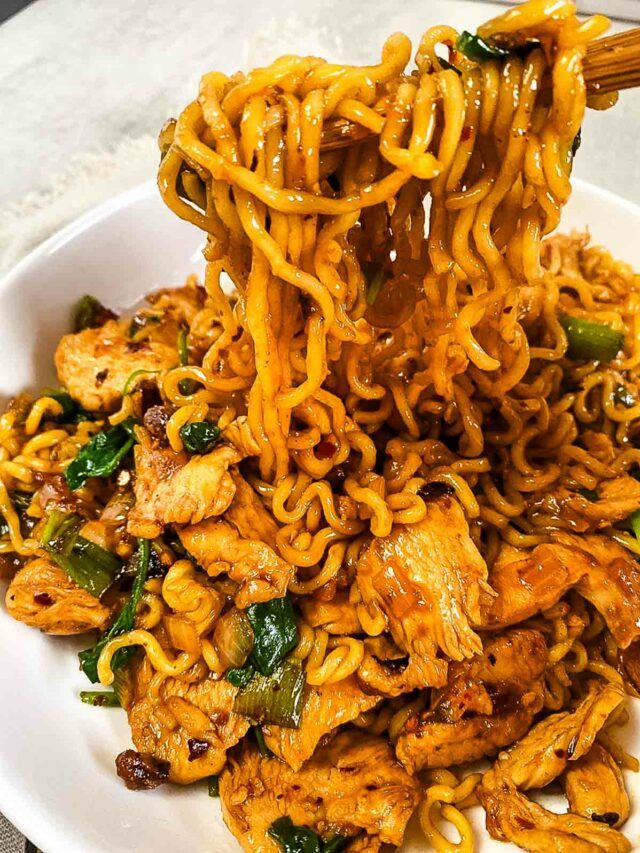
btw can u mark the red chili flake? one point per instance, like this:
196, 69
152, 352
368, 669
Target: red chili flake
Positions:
197, 748
466, 133
325, 449
560, 753
43, 598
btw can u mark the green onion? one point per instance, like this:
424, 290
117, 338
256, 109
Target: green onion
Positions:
477, 49
591, 341
577, 142
101, 456
634, 522
185, 386
214, 786
589, 494
128, 385
275, 632
100, 698
90, 566
123, 622
89, 313
376, 276
240, 677
301, 839
624, 397
72, 412
233, 638
275, 698
200, 437
263, 749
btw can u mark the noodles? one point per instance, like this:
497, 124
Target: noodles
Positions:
386, 328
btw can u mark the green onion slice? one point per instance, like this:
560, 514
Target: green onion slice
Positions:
275, 698
591, 341
477, 49
100, 698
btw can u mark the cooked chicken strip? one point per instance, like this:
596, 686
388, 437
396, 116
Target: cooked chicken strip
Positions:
337, 616
427, 579
602, 571
44, 596
325, 708
594, 786
248, 514
350, 785
173, 488
617, 499
95, 364
387, 671
190, 726
489, 702
179, 304
540, 757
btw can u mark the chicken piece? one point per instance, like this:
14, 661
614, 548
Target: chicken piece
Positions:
173, 488
249, 515
489, 702
350, 785
325, 708
594, 787
617, 499
238, 433
43, 595
178, 304
527, 582
539, 758
387, 671
427, 579
337, 616
95, 364
189, 726
630, 659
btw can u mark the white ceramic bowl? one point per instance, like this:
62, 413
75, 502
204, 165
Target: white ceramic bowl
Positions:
57, 775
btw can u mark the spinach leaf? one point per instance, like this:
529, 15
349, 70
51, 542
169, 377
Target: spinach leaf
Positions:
200, 437
301, 839
240, 677
101, 456
275, 698
72, 411
89, 565
124, 620
275, 632
89, 313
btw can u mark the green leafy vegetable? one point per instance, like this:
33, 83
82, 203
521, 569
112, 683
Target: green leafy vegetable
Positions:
591, 341
624, 397
214, 786
21, 501
262, 746
275, 698
240, 677
89, 313
72, 412
634, 522
275, 632
90, 566
101, 456
185, 386
131, 380
376, 275
123, 622
200, 437
301, 839
100, 698
589, 494
477, 49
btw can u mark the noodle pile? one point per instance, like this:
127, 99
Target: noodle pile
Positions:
393, 328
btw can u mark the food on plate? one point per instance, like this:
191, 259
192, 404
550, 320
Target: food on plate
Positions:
362, 509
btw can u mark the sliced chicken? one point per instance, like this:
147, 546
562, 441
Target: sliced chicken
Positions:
489, 702
351, 785
178, 304
43, 595
602, 571
427, 579
325, 708
594, 787
248, 514
539, 758
389, 672
173, 488
189, 726
337, 616
95, 364
617, 499
238, 433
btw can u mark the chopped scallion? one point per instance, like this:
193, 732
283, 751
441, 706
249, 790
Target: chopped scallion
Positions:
131, 381
301, 839
375, 275
591, 341
275, 698
89, 313
262, 746
100, 698
634, 522
477, 49
214, 786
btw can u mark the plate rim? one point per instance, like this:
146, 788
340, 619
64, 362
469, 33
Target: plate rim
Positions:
15, 796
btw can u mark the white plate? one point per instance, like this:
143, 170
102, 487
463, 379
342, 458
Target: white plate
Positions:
57, 777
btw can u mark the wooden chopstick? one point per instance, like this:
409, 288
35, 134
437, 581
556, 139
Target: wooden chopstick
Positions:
611, 63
